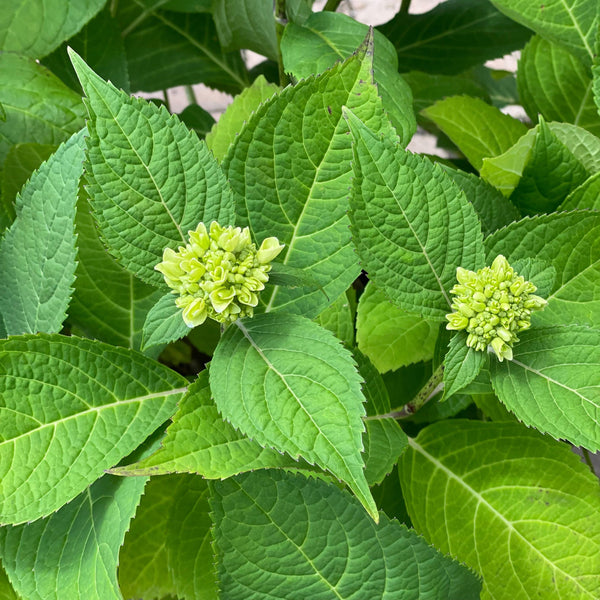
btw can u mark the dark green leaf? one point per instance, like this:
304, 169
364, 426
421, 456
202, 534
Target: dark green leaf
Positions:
196, 118
461, 365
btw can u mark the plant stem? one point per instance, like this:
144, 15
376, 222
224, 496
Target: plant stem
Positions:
588, 460
191, 96
113, 8
280, 23
404, 7
166, 97
332, 5
426, 393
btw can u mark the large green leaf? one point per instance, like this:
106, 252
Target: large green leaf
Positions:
339, 317
587, 195
166, 49
390, 337
571, 23
39, 107
290, 169
327, 37
412, 225
37, 254
311, 408
557, 85
385, 442
164, 323
552, 382
517, 507
71, 408
462, 364
36, 27
168, 548
150, 178
584, 145
74, 552
479, 130
570, 242
453, 36
283, 536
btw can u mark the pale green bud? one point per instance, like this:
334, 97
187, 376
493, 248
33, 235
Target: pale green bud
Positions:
268, 250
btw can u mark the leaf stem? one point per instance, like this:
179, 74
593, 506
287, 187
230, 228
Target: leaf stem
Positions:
433, 386
280, 22
332, 5
586, 456
404, 7
191, 96
166, 97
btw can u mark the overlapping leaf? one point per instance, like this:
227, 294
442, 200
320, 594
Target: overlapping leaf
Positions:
385, 442
517, 507
461, 364
71, 408
339, 317
283, 536
412, 225
150, 179
164, 323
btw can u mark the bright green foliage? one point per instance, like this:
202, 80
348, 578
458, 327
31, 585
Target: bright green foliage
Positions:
385, 442
568, 242
37, 254
584, 145
6, 590
36, 27
587, 195
412, 225
479, 130
290, 170
571, 23
374, 388
556, 84
311, 409
552, 383
517, 507
390, 337
328, 37
462, 364
168, 547
163, 323
339, 317
232, 120
246, 24
282, 536
39, 107
46, 561
146, 196
54, 443
453, 36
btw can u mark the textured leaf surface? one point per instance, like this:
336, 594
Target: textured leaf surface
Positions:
584, 145
479, 130
412, 225
327, 37
570, 242
453, 36
168, 548
150, 179
74, 552
390, 337
553, 382
339, 317
311, 408
236, 114
37, 254
461, 365
587, 195
70, 409
290, 169
36, 27
109, 303
39, 107
331, 548
164, 323
385, 442
556, 84
517, 507
374, 388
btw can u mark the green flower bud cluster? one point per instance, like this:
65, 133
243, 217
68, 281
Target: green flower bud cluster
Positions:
493, 305
219, 273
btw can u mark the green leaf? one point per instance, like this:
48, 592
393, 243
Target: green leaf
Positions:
197, 119
556, 84
552, 382
327, 37
412, 226
517, 507
584, 145
200, 441
453, 36
7, 592
461, 365
290, 171
21, 161
74, 552
390, 337
374, 389
37, 253
146, 196
164, 323
568, 242
571, 23
247, 24
39, 107
331, 548
109, 303
36, 27
167, 49
538, 172
339, 317
236, 114
478, 129
587, 195
385, 442
56, 441
168, 548
312, 408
